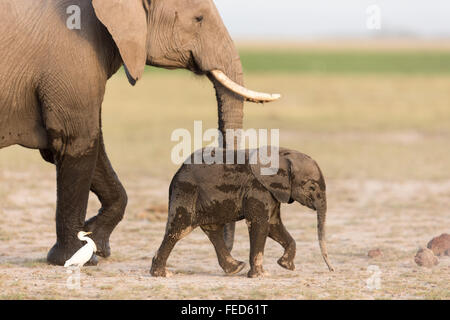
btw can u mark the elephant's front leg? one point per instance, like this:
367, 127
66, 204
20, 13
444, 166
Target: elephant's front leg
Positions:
258, 231
226, 261
75, 160
279, 233
109, 190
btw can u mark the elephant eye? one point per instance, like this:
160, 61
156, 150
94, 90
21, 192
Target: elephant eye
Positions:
199, 18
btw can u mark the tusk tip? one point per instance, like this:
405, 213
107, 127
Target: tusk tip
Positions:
276, 96
267, 99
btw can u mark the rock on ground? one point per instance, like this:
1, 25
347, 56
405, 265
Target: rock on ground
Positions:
375, 253
440, 245
426, 258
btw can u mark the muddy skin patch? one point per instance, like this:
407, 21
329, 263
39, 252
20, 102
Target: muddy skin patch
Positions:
228, 188
236, 168
279, 186
255, 210
258, 259
185, 187
275, 217
256, 185
219, 212
283, 172
79, 147
182, 218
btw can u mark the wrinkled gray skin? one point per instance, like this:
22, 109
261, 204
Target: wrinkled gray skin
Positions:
52, 83
210, 196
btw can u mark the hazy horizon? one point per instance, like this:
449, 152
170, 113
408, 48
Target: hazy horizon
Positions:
292, 19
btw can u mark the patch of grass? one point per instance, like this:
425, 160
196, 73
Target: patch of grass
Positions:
338, 62
14, 296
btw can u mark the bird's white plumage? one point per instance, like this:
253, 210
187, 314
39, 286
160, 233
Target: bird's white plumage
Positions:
84, 254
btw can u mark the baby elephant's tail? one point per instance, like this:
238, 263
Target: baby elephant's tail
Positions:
321, 218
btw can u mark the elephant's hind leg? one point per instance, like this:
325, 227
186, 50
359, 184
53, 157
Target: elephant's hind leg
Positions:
228, 235
226, 261
175, 231
113, 197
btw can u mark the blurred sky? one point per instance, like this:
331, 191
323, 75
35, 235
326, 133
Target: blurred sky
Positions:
311, 19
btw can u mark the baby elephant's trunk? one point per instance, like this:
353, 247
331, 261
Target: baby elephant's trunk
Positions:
321, 218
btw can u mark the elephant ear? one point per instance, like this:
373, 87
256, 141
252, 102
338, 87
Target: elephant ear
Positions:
278, 183
126, 21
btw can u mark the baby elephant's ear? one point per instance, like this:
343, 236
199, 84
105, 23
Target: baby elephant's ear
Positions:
278, 183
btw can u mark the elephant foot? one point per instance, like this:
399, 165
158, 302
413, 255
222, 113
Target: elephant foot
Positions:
235, 269
164, 273
100, 238
58, 255
102, 243
287, 264
93, 261
160, 272
257, 272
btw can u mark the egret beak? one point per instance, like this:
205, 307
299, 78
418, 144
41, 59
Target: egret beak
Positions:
88, 233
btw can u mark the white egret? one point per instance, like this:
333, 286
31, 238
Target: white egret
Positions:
85, 253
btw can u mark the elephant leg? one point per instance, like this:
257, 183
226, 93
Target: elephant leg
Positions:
279, 233
174, 233
75, 160
258, 231
228, 235
113, 197
226, 261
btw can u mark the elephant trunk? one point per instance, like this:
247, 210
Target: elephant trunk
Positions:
230, 105
321, 218
223, 58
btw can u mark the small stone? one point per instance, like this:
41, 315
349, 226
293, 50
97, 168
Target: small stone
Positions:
440, 245
375, 253
426, 258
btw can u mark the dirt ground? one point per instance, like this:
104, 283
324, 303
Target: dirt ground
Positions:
363, 215
383, 144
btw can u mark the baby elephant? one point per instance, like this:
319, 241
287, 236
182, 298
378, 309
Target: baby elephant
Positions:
212, 195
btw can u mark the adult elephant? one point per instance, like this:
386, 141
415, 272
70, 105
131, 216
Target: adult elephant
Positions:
53, 78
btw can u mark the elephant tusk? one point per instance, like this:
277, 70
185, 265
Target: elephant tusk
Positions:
249, 95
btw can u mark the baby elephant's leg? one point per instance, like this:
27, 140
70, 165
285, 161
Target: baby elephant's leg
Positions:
175, 231
226, 261
279, 233
258, 231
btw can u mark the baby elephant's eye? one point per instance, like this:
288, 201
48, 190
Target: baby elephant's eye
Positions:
199, 18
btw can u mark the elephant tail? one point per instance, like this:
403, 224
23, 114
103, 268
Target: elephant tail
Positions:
321, 218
